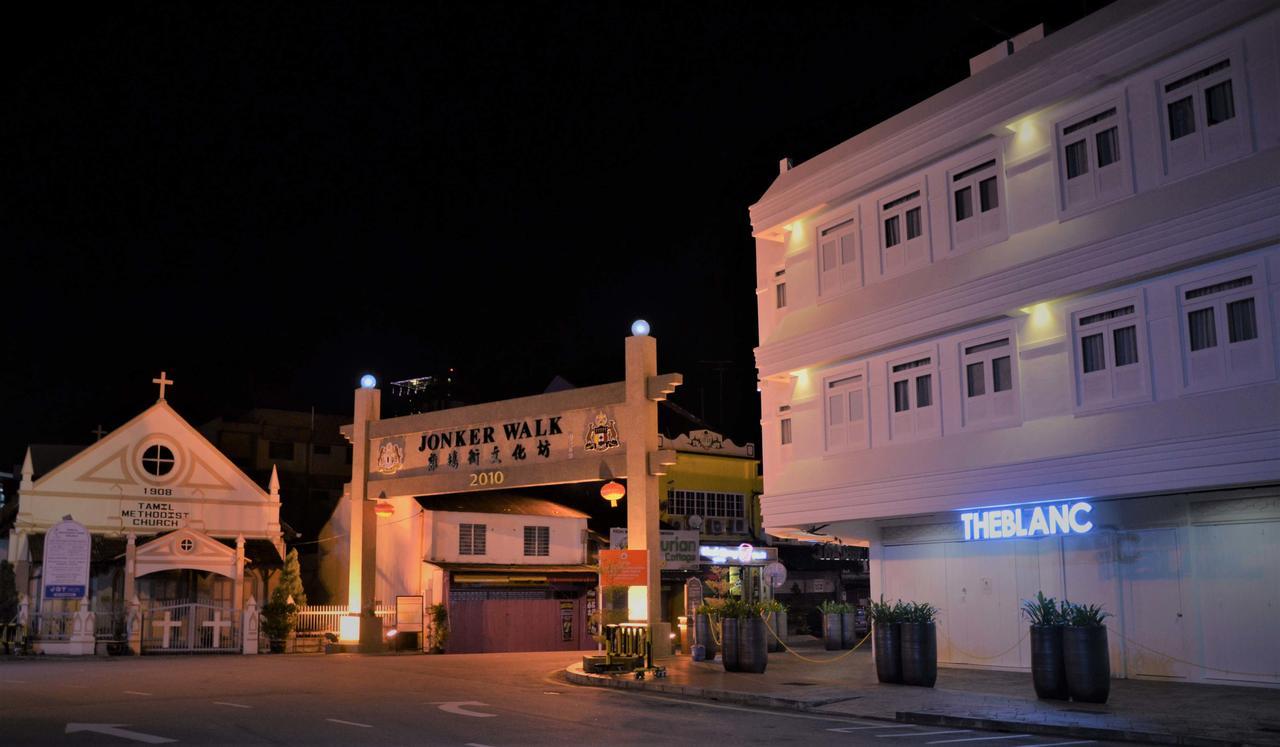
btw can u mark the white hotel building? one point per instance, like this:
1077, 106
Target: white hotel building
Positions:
1055, 282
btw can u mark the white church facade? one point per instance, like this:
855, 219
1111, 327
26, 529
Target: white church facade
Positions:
182, 541
1023, 337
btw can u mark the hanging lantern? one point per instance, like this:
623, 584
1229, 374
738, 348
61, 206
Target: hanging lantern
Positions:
384, 509
612, 492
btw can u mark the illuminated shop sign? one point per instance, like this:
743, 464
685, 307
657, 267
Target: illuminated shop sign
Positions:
1044, 520
743, 554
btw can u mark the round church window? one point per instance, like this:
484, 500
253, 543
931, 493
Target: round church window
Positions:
187, 545
157, 460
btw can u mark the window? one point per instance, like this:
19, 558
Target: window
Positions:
913, 388
158, 460
471, 539
785, 430
903, 241
989, 392
280, 450
1092, 165
1203, 112
537, 541
846, 410
701, 503
1110, 360
838, 264
1223, 339
780, 288
977, 205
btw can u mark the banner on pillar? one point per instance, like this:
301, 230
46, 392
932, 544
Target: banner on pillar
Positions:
65, 573
624, 567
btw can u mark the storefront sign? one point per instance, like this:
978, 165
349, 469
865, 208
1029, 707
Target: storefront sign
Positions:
1044, 520
153, 515
624, 567
743, 554
679, 548
65, 572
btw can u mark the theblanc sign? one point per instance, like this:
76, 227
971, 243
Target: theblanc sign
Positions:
1045, 520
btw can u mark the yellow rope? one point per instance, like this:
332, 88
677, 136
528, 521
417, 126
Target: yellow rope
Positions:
799, 655
1271, 675
972, 655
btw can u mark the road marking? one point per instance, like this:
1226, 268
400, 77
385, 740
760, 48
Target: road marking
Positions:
350, 723
476, 744
976, 739
883, 726
114, 730
924, 733
135, 692
16, 682
233, 705
1055, 744
459, 708
735, 708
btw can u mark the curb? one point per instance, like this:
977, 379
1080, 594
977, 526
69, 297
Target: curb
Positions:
579, 677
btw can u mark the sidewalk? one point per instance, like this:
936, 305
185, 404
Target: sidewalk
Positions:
1138, 710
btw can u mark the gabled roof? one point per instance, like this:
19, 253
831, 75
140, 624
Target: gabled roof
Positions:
47, 457
515, 504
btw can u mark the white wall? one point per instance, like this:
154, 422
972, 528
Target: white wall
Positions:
505, 538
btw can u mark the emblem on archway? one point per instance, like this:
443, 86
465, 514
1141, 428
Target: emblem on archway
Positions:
602, 433
390, 456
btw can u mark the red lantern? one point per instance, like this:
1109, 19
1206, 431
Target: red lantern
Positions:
612, 492
384, 509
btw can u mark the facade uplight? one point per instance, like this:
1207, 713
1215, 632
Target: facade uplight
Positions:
640, 328
368, 381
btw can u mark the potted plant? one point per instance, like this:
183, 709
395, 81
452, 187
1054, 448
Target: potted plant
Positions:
919, 644
1085, 654
775, 614
1047, 672
731, 612
704, 619
753, 638
278, 618
848, 626
438, 636
832, 637
887, 640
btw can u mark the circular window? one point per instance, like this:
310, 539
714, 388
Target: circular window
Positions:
187, 545
157, 460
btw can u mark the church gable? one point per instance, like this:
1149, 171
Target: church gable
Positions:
156, 454
185, 548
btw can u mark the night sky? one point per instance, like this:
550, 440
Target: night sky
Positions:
268, 199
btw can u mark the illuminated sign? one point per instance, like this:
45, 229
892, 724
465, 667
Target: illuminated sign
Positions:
1045, 520
743, 554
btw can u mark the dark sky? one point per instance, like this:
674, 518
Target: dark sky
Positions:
267, 199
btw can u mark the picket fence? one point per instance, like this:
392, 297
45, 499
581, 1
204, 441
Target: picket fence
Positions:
314, 620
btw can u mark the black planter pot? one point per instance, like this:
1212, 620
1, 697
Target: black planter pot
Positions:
848, 629
778, 620
753, 639
888, 646
729, 645
1087, 662
919, 654
1048, 673
832, 638
702, 634
275, 647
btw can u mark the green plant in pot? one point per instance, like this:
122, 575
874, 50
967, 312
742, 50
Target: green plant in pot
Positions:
1048, 674
1085, 653
887, 640
832, 635
279, 616
704, 622
775, 615
731, 612
753, 638
919, 644
438, 636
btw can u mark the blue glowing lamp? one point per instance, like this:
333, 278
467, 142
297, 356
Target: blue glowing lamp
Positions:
640, 328
368, 382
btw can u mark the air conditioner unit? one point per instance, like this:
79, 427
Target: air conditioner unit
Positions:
715, 526
677, 522
739, 526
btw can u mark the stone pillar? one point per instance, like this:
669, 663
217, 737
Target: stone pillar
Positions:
237, 595
133, 625
82, 632
249, 627
131, 567
362, 575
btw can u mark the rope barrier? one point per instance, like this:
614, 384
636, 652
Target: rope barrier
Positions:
972, 655
1271, 675
801, 656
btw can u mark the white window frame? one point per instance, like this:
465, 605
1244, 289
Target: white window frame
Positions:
850, 384
1099, 185
1219, 365
1208, 145
843, 275
781, 303
915, 422
981, 228
1138, 380
990, 409
539, 530
472, 529
908, 253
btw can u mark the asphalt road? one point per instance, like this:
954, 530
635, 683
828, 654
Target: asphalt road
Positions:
481, 700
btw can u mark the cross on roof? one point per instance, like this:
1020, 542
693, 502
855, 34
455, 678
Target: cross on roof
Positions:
98, 432
163, 382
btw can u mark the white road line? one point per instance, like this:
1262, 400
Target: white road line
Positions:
233, 705
476, 744
924, 733
16, 682
977, 739
1055, 744
757, 712
135, 692
882, 726
350, 723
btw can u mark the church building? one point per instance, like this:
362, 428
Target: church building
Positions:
181, 539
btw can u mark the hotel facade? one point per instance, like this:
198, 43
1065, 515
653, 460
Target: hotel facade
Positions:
1022, 337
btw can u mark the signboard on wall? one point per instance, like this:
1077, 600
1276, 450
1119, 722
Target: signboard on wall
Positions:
679, 547
1040, 520
409, 613
65, 573
624, 567
154, 514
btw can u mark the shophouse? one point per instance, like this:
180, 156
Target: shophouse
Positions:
1022, 336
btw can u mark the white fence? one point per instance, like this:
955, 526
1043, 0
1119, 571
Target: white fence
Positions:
318, 619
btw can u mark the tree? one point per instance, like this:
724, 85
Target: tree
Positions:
8, 592
290, 584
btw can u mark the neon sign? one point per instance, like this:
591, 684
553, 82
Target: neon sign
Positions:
1046, 520
743, 554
